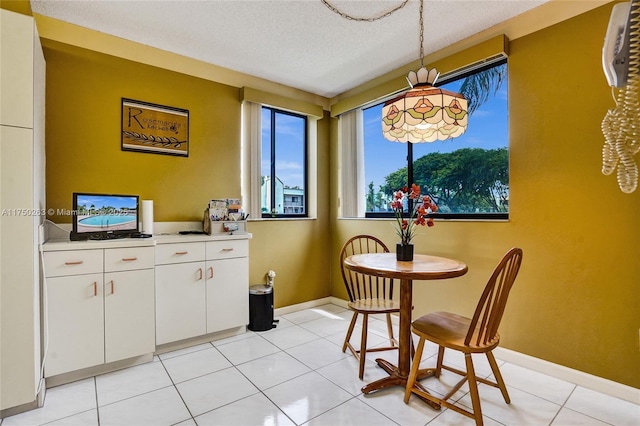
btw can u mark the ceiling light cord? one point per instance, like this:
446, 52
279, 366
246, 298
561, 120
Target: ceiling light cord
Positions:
372, 19
421, 35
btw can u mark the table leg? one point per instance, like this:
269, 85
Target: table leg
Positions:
398, 375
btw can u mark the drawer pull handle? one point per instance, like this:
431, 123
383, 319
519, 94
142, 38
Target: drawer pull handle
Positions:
129, 259
182, 252
78, 262
210, 271
112, 290
95, 288
200, 270
227, 249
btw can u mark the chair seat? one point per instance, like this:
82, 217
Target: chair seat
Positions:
450, 330
374, 306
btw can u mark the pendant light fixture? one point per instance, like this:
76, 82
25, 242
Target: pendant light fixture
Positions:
424, 113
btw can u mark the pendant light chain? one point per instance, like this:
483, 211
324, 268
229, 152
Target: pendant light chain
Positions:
421, 35
372, 19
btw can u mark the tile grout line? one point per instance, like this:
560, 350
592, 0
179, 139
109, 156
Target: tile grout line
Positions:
173, 383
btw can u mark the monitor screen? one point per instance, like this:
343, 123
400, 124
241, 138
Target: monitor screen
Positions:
102, 216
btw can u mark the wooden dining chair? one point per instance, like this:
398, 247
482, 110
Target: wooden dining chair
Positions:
368, 295
469, 336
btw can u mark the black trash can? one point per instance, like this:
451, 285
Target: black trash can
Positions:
261, 307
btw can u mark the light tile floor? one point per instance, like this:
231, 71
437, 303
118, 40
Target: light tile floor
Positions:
296, 374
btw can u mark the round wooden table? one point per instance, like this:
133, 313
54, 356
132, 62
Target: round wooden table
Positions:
423, 267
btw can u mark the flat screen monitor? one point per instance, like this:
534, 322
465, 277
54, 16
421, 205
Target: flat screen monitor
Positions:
104, 216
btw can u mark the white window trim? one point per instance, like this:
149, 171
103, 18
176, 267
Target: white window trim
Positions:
251, 153
351, 167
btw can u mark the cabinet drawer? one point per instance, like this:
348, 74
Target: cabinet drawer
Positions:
227, 249
72, 262
179, 253
127, 259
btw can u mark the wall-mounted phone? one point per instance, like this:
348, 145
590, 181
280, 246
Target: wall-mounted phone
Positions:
621, 63
615, 54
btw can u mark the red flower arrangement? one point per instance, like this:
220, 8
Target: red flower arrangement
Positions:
422, 206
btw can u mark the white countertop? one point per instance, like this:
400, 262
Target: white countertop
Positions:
66, 244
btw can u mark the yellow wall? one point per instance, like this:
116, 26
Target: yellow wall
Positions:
84, 91
576, 301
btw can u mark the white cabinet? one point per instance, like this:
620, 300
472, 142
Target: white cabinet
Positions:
100, 306
227, 284
75, 322
180, 291
109, 303
22, 168
129, 311
201, 288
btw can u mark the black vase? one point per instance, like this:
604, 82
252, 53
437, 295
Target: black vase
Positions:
404, 252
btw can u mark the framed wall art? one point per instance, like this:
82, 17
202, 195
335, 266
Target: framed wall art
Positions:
153, 128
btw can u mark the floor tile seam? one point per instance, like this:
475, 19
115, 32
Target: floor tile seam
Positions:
177, 391
522, 389
278, 407
134, 396
352, 397
335, 383
315, 333
309, 331
583, 414
258, 391
458, 401
95, 393
176, 384
277, 384
69, 416
187, 353
564, 405
364, 398
95, 388
300, 322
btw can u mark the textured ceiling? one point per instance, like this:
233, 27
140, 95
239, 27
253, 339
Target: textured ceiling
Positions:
298, 43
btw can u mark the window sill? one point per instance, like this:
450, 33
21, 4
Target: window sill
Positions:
440, 219
280, 219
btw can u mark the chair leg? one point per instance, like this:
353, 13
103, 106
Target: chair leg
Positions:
498, 376
440, 361
415, 366
473, 389
350, 331
363, 344
390, 330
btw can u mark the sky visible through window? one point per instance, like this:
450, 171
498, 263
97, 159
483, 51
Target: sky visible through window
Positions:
488, 128
289, 134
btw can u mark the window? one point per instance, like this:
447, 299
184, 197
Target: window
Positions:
283, 164
467, 177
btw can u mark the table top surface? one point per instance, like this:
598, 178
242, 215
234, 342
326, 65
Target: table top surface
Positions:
423, 267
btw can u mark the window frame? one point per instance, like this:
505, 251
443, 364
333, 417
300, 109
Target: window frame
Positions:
496, 216
272, 142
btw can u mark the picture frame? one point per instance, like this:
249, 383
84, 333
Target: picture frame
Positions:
153, 128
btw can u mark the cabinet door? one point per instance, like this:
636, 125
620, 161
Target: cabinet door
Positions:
180, 301
75, 322
129, 314
227, 293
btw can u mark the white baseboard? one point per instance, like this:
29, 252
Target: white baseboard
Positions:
580, 378
300, 306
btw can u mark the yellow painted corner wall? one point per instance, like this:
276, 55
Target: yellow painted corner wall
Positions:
83, 142
84, 91
576, 301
